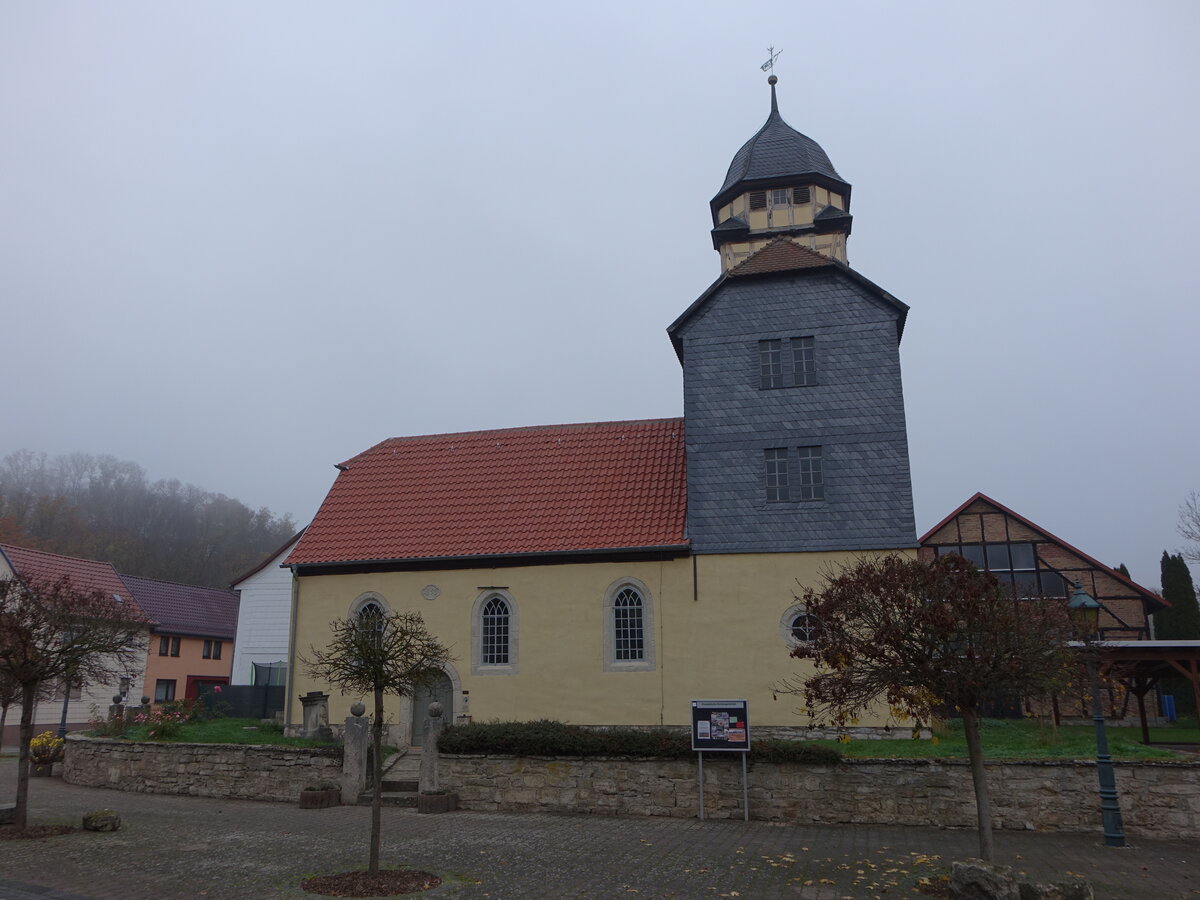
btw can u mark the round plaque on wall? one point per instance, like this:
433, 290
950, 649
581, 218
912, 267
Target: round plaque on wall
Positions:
431, 592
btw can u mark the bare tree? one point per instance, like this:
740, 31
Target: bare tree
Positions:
1189, 525
920, 637
51, 632
379, 653
100, 507
9, 692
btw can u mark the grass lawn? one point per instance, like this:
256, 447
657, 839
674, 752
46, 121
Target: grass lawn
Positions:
1027, 739
230, 731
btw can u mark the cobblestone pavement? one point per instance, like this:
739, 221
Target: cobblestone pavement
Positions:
192, 847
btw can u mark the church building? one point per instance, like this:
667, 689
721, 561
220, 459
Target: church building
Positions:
609, 573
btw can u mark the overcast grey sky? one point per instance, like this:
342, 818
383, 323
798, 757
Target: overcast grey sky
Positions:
242, 241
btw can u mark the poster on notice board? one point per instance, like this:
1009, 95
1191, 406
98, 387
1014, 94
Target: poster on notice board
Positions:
720, 725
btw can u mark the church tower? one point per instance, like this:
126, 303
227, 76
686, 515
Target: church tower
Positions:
793, 406
781, 183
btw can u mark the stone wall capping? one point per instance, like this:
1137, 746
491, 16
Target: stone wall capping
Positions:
201, 748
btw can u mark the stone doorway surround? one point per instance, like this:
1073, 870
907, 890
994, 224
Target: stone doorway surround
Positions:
452, 704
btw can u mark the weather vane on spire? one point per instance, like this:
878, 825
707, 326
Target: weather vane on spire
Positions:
769, 65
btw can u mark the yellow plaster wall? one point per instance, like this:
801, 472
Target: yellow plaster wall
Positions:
720, 640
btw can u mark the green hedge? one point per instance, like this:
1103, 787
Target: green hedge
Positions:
549, 738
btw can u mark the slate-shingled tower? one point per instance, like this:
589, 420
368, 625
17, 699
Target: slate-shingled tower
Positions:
793, 403
781, 183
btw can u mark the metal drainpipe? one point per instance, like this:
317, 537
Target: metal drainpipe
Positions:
291, 673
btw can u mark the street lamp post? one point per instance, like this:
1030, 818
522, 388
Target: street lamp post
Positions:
62, 722
1086, 609
68, 638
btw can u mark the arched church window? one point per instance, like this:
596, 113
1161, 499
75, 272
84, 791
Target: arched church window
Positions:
628, 627
371, 621
495, 633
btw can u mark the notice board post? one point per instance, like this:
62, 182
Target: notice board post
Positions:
721, 726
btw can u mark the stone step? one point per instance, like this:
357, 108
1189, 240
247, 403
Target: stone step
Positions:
399, 784
394, 798
407, 766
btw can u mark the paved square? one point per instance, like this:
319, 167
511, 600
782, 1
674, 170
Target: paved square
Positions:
193, 847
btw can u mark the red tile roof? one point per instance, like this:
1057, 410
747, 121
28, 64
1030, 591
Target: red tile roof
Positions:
781, 255
185, 608
85, 574
557, 488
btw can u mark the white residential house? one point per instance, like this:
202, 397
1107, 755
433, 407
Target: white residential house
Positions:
264, 620
81, 702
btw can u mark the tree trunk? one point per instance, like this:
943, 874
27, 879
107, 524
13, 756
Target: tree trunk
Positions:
983, 805
28, 699
3, 719
377, 779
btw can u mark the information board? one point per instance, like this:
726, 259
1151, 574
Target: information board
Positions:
720, 725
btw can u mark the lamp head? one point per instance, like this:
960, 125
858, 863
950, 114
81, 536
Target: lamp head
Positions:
1084, 609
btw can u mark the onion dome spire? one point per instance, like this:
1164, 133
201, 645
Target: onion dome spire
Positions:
780, 183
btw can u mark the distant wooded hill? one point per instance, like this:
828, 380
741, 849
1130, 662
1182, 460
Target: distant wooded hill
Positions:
99, 507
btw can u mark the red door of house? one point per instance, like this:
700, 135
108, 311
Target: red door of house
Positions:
195, 682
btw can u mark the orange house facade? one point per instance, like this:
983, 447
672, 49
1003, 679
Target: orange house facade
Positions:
191, 642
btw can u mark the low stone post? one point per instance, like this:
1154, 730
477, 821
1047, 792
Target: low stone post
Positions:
315, 716
428, 783
355, 741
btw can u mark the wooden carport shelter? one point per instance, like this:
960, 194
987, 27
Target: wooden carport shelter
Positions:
1140, 665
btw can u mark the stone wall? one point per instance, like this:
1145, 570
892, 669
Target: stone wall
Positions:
242, 771
1158, 800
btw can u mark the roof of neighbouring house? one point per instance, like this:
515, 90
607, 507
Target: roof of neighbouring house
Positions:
186, 608
283, 548
1146, 593
84, 574
555, 489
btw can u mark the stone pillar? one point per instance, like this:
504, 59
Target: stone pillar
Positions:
428, 783
316, 716
355, 741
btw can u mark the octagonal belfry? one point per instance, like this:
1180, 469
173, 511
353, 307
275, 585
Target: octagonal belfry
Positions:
780, 184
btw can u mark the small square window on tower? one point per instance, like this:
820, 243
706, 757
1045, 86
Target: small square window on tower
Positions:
776, 463
787, 364
771, 364
781, 197
804, 360
811, 476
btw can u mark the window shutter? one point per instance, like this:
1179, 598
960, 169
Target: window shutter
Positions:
801, 194
758, 199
